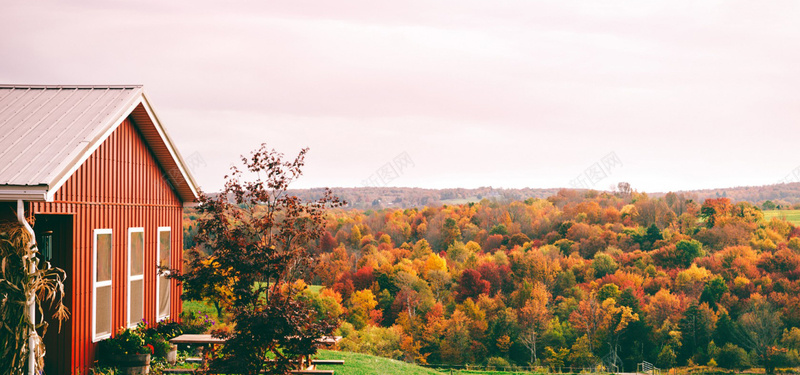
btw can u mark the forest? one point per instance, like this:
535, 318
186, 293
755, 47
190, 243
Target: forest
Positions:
577, 279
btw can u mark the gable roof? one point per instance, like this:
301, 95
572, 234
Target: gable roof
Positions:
47, 132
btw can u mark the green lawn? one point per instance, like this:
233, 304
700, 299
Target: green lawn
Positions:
792, 216
315, 288
362, 364
200, 307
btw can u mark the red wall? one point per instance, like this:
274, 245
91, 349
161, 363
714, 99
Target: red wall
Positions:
120, 186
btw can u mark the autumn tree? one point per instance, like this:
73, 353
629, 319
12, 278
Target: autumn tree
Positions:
471, 285
760, 328
588, 319
534, 319
616, 320
258, 234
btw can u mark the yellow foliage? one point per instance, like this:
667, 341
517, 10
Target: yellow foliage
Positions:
435, 262
504, 343
472, 247
740, 281
692, 280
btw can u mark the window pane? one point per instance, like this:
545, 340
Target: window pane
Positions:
103, 311
104, 257
163, 296
137, 253
163, 246
137, 301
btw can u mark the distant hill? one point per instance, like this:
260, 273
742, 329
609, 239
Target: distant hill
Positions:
403, 197
784, 195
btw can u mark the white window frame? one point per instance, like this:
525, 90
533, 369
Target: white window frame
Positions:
158, 278
96, 284
132, 278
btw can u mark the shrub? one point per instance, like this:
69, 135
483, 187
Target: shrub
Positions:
158, 336
194, 323
731, 356
169, 329
667, 357
497, 363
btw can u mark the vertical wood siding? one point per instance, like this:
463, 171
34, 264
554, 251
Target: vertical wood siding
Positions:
120, 186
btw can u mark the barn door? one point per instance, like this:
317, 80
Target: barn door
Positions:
54, 238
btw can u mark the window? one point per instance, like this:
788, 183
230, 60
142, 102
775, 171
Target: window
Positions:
102, 297
162, 282
135, 276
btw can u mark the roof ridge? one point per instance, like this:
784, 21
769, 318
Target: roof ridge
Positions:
23, 86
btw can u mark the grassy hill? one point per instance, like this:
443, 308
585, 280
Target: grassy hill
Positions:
363, 364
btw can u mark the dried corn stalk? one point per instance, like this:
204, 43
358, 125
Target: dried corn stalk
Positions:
16, 285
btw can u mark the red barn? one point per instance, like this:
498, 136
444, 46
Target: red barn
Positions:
105, 188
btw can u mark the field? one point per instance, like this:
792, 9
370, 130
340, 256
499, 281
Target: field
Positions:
457, 201
792, 216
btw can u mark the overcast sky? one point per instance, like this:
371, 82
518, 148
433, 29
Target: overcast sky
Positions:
666, 95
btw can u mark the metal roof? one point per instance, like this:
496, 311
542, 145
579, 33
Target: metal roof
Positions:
47, 132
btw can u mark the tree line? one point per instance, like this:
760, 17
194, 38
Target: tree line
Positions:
580, 278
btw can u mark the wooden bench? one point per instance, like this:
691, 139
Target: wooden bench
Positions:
327, 361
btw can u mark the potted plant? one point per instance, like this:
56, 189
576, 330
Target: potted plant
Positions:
159, 336
128, 351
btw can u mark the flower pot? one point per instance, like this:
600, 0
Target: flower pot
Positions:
172, 355
133, 363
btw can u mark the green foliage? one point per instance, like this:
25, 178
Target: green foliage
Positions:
608, 291
158, 337
193, 322
372, 340
666, 357
497, 363
687, 251
603, 264
499, 229
731, 356
126, 341
581, 355
713, 290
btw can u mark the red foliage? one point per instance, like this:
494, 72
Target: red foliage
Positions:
344, 286
363, 278
327, 243
471, 285
493, 242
